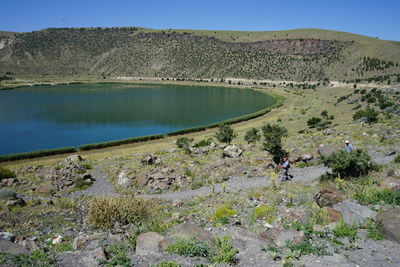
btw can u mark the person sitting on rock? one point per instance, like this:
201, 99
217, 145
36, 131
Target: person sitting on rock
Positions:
286, 165
349, 146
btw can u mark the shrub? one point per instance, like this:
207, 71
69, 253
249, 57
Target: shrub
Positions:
183, 142
273, 144
397, 159
343, 230
349, 164
374, 195
190, 247
264, 211
374, 230
224, 134
204, 143
226, 253
7, 193
104, 212
252, 136
369, 114
6, 173
222, 215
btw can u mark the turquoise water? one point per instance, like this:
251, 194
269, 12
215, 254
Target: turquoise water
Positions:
46, 117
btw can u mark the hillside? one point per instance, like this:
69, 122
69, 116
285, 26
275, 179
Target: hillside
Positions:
296, 55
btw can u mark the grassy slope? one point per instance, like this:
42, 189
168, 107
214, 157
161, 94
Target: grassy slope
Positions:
124, 52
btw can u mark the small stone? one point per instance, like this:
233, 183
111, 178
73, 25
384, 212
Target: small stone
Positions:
17, 202
176, 203
329, 196
57, 240
148, 243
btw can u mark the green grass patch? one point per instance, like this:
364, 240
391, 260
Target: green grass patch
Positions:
36, 154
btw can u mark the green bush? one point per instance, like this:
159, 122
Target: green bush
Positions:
224, 134
264, 211
7, 193
252, 136
343, 230
168, 264
36, 154
397, 159
223, 214
104, 212
273, 143
349, 164
226, 253
190, 247
6, 173
204, 143
369, 114
374, 195
313, 122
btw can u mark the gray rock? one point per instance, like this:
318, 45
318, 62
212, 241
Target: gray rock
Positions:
149, 159
123, 180
29, 245
115, 239
393, 172
232, 151
307, 157
148, 243
17, 202
86, 242
280, 236
390, 220
142, 180
391, 183
73, 158
353, 213
12, 248
325, 150
7, 236
99, 254
185, 231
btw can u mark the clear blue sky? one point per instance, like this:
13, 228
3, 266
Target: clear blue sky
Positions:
378, 18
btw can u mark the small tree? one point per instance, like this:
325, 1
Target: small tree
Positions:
184, 143
313, 122
252, 136
225, 133
369, 114
273, 143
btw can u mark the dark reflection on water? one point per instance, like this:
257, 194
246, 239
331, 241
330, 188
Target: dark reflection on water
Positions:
44, 117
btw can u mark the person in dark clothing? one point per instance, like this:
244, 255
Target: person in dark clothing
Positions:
286, 165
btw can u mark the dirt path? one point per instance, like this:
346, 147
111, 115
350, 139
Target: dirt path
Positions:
301, 175
100, 187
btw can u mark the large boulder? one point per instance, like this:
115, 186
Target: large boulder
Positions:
353, 213
72, 158
390, 220
123, 179
142, 180
281, 236
186, 231
325, 150
329, 196
148, 243
12, 248
232, 151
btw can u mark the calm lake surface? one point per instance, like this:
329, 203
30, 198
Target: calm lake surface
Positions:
45, 117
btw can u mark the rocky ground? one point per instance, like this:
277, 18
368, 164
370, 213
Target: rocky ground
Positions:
213, 192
